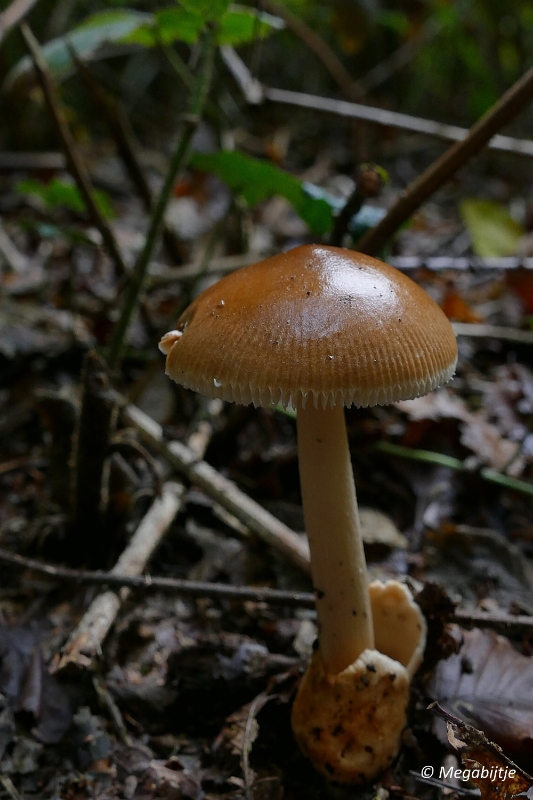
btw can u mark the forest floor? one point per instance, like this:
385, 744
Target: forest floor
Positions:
136, 692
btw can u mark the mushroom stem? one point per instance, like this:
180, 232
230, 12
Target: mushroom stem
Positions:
332, 523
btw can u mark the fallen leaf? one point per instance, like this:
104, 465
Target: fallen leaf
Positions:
496, 776
489, 684
455, 307
492, 229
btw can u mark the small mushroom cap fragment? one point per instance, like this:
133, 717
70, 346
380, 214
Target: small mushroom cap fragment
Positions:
350, 724
317, 322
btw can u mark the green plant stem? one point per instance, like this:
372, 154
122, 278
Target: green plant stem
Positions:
442, 460
179, 160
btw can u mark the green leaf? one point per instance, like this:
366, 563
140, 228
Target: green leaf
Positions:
103, 28
167, 26
59, 194
240, 25
208, 10
256, 180
100, 34
237, 26
493, 231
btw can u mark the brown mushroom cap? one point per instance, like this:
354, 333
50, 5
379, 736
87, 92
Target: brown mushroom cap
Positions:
320, 322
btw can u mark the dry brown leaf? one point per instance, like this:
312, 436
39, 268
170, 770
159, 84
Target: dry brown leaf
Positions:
489, 684
496, 776
482, 437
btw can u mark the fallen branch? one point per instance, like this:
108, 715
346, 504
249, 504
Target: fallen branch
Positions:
14, 259
75, 164
501, 113
480, 331
190, 272
215, 591
460, 262
225, 492
13, 14
13, 161
518, 624
84, 645
255, 92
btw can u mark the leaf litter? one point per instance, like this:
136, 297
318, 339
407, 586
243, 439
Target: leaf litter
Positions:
184, 710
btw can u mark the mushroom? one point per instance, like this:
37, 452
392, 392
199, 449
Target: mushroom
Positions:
321, 328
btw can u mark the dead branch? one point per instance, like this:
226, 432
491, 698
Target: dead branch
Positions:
214, 591
13, 161
510, 623
14, 259
225, 492
255, 92
190, 272
460, 262
13, 14
501, 113
75, 164
393, 119
84, 645
480, 331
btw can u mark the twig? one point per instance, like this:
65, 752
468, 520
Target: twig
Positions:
215, 591
348, 86
10, 787
13, 161
392, 119
479, 331
225, 264
84, 645
179, 160
255, 92
501, 113
9, 253
248, 739
106, 699
439, 459
13, 14
458, 790
460, 262
75, 164
190, 272
225, 492
518, 624
368, 184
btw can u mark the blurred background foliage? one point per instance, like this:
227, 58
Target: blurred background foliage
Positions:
460, 57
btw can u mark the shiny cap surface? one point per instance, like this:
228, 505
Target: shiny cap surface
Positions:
316, 324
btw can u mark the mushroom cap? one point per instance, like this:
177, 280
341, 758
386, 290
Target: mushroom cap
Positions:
316, 322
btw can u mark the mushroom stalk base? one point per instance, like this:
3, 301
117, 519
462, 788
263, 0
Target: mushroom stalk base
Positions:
332, 523
350, 724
